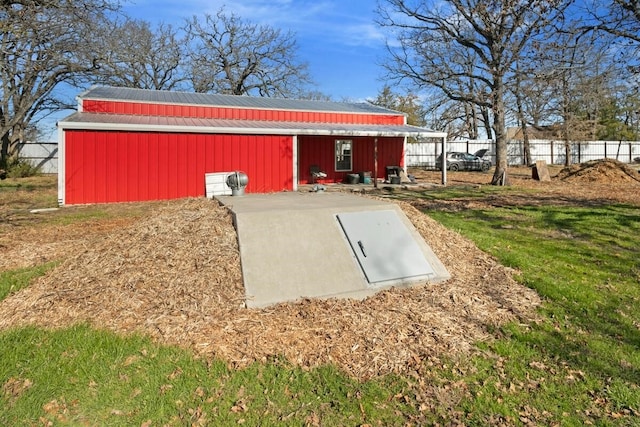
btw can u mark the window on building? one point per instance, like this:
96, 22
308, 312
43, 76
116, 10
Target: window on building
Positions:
343, 154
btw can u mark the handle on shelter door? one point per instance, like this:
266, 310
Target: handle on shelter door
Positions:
362, 248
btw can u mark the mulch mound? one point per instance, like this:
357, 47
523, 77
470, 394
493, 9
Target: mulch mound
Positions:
175, 275
39, 245
604, 170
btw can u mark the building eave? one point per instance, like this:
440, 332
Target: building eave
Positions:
85, 121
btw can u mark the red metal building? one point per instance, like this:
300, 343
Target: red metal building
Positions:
134, 145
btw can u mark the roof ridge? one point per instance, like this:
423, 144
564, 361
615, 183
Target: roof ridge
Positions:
226, 100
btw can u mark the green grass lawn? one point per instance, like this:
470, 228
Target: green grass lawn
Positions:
80, 376
578, 365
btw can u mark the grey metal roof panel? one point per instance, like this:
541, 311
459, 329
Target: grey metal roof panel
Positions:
188, 124
238, 101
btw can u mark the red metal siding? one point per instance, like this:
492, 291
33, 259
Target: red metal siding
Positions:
319, 150
102, 167
136, 108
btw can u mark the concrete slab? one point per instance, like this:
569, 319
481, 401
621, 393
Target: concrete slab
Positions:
292, 247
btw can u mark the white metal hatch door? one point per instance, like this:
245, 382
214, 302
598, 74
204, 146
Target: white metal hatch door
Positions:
383, 245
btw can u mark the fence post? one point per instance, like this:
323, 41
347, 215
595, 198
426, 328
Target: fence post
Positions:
579, 152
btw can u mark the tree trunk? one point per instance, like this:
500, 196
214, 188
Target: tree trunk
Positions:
526, 155
487, 121
4, 151
471, 121
526, 146
500, 175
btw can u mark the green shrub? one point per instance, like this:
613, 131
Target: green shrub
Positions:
21, 168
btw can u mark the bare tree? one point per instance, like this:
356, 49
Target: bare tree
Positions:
232, 56
438, 40
474, 116
621, 20
618, 17
448, 116
43, 44
520, 114
533, 100
139, 56
578, 73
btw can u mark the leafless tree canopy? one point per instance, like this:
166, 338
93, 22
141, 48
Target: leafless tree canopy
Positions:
232, 56
42, 45
49, 44
618, 17
473, 64
139, 56
465, 49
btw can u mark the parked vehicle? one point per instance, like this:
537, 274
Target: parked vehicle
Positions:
465, 162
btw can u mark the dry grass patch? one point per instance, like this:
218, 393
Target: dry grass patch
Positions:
596, 182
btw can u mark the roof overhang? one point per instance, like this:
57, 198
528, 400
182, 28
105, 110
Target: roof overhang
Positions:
131, 123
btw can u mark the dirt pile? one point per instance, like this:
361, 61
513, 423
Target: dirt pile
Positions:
607, 171
176, 276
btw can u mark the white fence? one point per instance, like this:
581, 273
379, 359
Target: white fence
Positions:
424, 154
44, 155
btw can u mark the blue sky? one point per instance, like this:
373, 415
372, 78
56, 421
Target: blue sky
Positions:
337, 38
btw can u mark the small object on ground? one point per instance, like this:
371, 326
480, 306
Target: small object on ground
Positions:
540, 172
41, 210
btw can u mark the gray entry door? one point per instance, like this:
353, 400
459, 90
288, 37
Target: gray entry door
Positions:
383, 245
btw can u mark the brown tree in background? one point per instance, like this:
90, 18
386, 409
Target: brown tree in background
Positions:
231, 56
43, 44
438, 40
137, 55
618, 17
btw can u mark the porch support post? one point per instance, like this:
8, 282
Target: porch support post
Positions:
443, 166
375, 162
294, 150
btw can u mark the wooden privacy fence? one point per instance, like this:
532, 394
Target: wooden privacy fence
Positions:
424, 154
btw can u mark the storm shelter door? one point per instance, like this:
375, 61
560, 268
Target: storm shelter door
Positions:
383, 245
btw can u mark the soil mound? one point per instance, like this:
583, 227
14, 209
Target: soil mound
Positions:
175, 275
606, 171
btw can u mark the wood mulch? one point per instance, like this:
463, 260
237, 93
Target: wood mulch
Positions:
175, 275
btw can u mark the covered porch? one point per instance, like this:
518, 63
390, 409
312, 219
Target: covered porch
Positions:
343, 155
